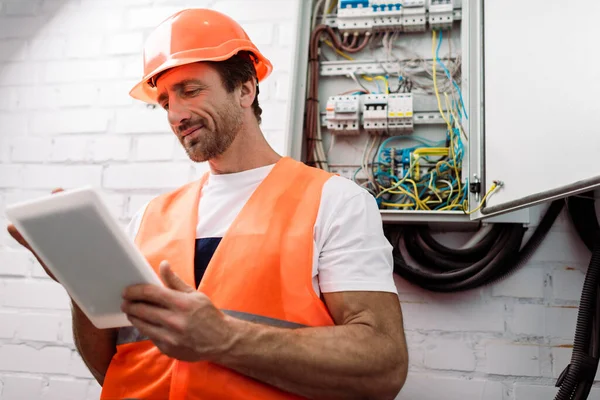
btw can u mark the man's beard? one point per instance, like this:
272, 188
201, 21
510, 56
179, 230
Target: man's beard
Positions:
212, 143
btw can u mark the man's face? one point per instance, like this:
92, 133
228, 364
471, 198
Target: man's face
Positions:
204, 116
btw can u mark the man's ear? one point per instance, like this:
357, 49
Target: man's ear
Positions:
248, 93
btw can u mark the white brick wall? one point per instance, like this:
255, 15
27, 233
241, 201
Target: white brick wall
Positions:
66, 120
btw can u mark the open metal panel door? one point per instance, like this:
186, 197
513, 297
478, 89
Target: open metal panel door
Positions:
533, 96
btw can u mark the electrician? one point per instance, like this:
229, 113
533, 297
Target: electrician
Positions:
278, 277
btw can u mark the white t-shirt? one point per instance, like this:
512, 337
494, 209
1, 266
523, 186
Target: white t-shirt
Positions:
351, 252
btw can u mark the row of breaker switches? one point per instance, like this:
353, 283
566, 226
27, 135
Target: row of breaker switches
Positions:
382, 114
357, 16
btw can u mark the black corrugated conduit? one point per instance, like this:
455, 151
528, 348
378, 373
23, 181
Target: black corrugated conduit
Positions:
444, 269
576, 380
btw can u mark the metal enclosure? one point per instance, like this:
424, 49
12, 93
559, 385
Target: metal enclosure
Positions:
532, 116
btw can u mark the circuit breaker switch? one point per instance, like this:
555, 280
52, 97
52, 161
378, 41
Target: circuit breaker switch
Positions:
375, 110
400, 113
354, 16
387, 15
441, 14
342, 115
413, 16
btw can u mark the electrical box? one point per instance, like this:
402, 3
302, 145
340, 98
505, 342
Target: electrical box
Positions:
425, 133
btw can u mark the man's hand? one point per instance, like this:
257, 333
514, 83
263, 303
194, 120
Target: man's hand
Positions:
182, 323
21, 240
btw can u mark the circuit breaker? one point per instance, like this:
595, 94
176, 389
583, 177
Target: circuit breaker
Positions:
400, 113
375, 114
414, 16
387, 15
440, 14
343, 115
354, 16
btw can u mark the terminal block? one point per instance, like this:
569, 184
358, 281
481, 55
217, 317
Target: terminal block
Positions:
400, 113
413, 16
354, 16
387, 14
440, 14
375, 114
343, 115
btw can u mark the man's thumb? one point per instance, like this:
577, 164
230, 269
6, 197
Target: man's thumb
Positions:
171, 280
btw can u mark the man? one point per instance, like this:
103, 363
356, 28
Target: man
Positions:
278, 278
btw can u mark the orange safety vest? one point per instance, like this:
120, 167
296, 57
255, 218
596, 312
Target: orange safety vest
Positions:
261, 272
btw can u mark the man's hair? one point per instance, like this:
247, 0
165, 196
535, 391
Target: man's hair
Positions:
236, 71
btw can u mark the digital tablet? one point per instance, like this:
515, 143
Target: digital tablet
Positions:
76, 236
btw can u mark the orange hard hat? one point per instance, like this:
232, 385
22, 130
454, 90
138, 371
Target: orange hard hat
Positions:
189, 36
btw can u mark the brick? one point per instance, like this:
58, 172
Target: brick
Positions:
65, 176
115, 94
10, 176
148, 17
287, 33
30, 150
155, 147
22, 358
274, 117
8, 99
47, 48
38, 327
65, 389
526, 282
72, 148
84, 46
528, 319
66, 331
454, 317
15, 263
22, 387
115, 3
36, 97
199, 169
136, 203
12, 125
146, 176
39, 272
179, 153
560, 322
561, 247
260, 34
430, 387
35, 295
282, 87
81, 70
19, 73
512, 359
561, 357
109, 148
132, 68
524, 391
125, 43
13, 50
141, 120
261, 10
276, 140
280, 58
10, 323
449, 354
70, 121
94, 390
115, 204
567, 284
20, 27
77, 367
78, 95
79, 20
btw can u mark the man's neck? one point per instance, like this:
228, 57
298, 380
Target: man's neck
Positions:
249, 150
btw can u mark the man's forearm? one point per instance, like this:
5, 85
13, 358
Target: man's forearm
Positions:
345, 362
96, 346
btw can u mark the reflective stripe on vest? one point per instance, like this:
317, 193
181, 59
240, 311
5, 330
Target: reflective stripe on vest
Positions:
130, 334
262, 267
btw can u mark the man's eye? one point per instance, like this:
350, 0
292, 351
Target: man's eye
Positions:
165, 106
191, 93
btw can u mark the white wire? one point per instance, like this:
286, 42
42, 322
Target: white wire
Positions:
318, 5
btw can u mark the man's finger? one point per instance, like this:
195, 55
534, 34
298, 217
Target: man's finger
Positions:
171, 279
57, 190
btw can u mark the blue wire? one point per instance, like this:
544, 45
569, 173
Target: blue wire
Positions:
462, 103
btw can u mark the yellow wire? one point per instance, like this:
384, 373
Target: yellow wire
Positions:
332, 6
493, 188
397, 205
437, 93
378, 77
341, 53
